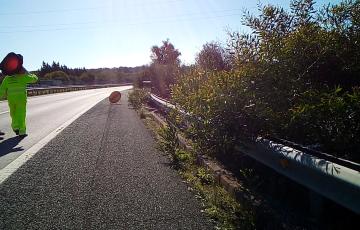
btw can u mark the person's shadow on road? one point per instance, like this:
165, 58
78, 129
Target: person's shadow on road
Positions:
8, 146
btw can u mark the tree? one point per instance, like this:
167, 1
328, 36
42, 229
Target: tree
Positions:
55, 66
87, 77
212, 57
295, 77
165, 54
57, 75
164, 68
44, 69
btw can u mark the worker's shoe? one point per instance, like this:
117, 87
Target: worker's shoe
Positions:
22, 133
2, 134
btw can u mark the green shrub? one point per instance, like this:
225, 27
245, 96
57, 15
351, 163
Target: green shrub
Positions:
204, 176
57, 75
219, 204
168, 141
329, 119
142, 113
214, 100
183, 156
138, 97
280, 80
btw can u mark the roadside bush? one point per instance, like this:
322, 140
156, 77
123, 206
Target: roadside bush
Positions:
138, 97
87, 78
57, 75
169, 142
212, 57
219, 107
164, 68
330, 121
204, 176
281, 80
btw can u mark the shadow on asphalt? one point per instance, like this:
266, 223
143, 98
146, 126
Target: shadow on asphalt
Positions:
8, 146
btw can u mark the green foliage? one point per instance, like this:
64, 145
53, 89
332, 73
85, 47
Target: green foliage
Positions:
162, 77
332, 120
142, 113
87, 77
92, 76
114, 75
280, 81
222, 107
164, 68
212, 57
219, 204
170, 144
165, 54
183, 156
204, 176
169, 141
57, 75
138, 97
55, 66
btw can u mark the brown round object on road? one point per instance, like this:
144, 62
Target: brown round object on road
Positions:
115, 97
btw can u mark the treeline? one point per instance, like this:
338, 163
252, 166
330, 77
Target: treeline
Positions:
296, 76
64, 75
55, 66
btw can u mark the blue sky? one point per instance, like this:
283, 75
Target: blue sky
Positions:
109, 33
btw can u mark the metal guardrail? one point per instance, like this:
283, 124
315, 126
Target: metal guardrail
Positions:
332, 180
166, 104
162, 102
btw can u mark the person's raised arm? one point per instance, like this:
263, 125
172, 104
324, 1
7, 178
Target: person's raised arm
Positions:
31, 78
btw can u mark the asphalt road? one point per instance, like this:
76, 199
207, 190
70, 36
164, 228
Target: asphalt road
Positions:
101, 172
44, 115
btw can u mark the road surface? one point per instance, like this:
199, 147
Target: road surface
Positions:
45, 114
101, 172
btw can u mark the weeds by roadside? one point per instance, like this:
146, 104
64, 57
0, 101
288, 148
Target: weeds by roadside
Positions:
219, 205
138, 98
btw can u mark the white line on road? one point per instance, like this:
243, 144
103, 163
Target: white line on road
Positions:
23, 158
4, 112
18, 162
